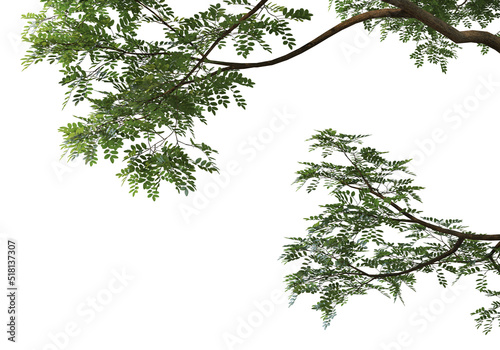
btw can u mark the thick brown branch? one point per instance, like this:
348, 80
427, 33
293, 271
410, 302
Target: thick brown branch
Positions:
393, 13
458, 37
406, 9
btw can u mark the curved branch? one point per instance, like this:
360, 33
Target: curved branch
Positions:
391, 13
418, 266
406, 9
458, 37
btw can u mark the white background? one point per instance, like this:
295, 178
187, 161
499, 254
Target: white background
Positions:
212, 280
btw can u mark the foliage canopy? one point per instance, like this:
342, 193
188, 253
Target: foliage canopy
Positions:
147, 96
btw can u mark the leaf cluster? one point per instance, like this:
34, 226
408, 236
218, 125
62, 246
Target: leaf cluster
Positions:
147, 95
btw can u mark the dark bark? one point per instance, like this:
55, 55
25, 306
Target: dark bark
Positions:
458, 37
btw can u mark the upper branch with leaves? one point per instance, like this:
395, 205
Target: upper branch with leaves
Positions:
150, 93
373, 237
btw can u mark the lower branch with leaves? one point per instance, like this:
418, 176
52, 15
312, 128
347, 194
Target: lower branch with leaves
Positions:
373, 238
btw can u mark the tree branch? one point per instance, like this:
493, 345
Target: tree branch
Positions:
419, 266
391, 13
406, 9
458, 37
